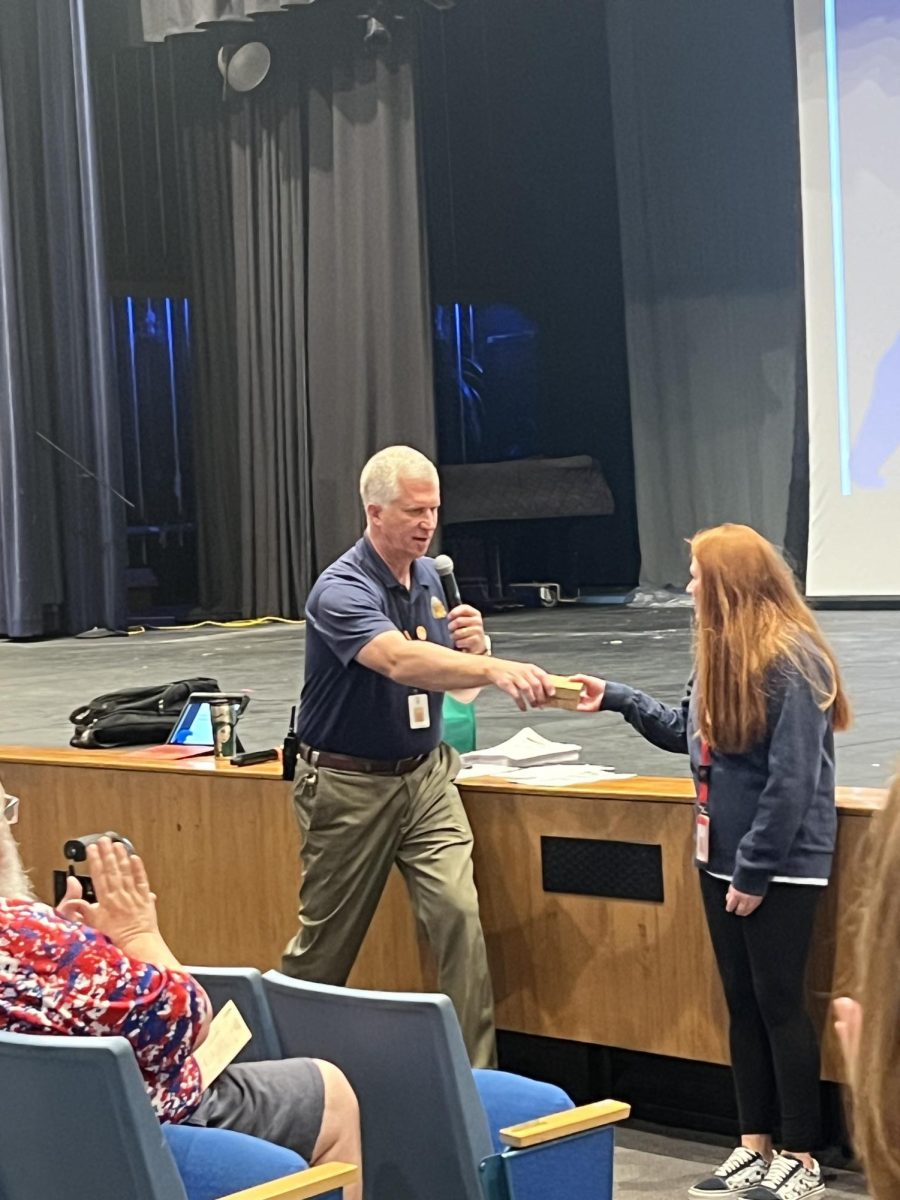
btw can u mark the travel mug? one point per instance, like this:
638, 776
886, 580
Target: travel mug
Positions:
223, 731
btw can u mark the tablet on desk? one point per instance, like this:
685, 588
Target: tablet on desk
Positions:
192, 733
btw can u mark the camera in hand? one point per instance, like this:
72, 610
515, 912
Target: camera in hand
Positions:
75, 850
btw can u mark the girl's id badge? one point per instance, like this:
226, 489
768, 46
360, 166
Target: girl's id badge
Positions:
701, 843
419, 714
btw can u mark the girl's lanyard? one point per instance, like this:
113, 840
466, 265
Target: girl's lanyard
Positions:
701, 843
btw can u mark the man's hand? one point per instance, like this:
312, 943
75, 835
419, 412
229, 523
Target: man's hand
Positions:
526, 683
742, 904
592, 690
466, 626
125, 908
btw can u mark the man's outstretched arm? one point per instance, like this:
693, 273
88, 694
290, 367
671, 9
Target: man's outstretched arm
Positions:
435, 668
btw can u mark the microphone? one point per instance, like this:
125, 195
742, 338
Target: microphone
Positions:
444, 565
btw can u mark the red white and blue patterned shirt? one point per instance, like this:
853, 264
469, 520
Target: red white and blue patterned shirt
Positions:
63, 978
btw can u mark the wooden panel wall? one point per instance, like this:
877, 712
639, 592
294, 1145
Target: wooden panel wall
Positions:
221, 852
640, 976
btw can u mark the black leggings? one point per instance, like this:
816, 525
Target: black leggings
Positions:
774, 1052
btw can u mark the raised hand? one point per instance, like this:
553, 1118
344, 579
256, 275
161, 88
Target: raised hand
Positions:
125, 908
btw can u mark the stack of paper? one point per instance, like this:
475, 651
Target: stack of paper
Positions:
524, 749
548, 775
566, 775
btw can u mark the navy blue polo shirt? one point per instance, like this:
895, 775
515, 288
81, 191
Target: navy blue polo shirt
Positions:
344, 707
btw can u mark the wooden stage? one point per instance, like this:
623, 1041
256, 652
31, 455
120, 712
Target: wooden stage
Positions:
221, 847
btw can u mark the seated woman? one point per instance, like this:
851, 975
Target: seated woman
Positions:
103, 969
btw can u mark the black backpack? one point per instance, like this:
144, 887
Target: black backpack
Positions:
134, 716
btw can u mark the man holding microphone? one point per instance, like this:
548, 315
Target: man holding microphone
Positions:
375, 783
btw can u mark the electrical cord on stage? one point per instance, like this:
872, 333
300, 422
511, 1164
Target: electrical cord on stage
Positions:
243, 623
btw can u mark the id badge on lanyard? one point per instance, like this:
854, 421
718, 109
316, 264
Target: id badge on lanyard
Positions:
701, 825
419, 712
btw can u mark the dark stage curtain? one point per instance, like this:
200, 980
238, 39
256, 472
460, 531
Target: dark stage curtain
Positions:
62, 533
707, 154
309, 280
371, 378
246, 164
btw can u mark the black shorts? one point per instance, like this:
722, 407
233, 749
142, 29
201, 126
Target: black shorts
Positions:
281, 1101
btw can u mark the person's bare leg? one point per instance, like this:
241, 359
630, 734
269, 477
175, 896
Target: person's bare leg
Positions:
339, 1138
804, 1156
760, 1142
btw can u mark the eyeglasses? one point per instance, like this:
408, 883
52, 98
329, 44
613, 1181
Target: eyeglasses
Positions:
10, 807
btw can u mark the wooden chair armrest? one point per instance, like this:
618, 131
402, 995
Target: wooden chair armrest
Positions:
563, 1124
303, 1185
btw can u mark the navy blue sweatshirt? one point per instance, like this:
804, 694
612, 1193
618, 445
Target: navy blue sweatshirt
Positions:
771, 809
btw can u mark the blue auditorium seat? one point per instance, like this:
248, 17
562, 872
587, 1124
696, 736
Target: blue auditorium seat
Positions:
77, 1122
431, 1126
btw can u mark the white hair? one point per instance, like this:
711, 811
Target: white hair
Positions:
14, 882
379, 482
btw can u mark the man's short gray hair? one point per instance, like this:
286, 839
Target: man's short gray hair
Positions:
379, 482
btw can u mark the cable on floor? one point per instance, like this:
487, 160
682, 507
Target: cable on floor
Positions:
245, 623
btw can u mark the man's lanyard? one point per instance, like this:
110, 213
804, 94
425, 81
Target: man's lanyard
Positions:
395, 604
405, 621
417, 699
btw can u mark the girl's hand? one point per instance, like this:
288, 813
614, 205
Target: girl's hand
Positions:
592, 690
742, 904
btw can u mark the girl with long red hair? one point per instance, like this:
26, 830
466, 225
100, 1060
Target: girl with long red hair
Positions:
758, 722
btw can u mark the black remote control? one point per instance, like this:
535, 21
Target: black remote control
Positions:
249, 757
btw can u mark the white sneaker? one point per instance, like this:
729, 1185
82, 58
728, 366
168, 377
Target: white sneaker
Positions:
740, 1172
788, 1179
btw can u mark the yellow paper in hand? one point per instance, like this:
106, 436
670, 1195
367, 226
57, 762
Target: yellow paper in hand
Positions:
228, 1035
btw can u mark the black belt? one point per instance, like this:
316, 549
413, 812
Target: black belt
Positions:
367, 766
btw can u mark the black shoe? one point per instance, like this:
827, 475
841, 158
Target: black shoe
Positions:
788, 1179
741, 1171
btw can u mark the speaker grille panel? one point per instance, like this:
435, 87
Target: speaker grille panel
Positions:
591, 867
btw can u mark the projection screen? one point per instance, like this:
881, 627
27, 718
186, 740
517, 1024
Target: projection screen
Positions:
848, 69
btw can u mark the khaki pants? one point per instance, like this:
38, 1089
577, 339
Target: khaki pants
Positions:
353, 829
